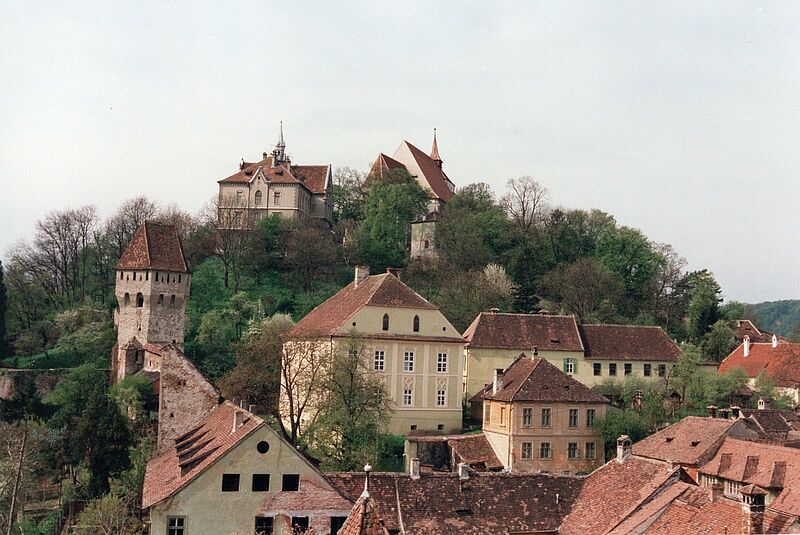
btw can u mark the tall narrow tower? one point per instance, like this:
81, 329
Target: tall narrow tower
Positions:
152, 287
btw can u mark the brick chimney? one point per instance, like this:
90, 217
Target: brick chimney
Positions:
413, 468
753, 504
736, 411
623, 448
238, 420
764, 403
746, 344
717, 490
362, 272
463, 471
712, 411
497, 386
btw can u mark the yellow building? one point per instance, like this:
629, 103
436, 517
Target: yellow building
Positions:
537, 418
409, 344
588, 353
233, 473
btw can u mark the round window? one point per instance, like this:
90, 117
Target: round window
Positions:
263, 446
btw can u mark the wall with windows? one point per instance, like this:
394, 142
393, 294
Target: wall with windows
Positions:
219, 502
551, 437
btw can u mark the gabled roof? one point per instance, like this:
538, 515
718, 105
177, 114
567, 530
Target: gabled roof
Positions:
433, 175
782, 363
628, 342
364, 519
313, 177
690, 441
777, 424
495, 330
154, 246
384, 164
742, 328
385, 290
535, 379
487, 503
195, 451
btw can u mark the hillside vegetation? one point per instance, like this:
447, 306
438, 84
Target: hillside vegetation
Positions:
780, 317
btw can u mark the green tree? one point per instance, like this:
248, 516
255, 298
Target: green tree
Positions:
621, 422
3, 307
704, 304
585, 288
389, 209
102, 440
108, 515
719, 341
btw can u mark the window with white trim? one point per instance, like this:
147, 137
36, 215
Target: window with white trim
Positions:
408, 361
408, 397
527, 416
590, 450
441, 363
569, 365
176, 525
441, 398
544, 450
380, 360
572, 450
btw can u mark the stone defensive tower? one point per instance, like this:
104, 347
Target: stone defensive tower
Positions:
152, 287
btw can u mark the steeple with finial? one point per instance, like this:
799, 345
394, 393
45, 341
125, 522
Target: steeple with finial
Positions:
435, 151
280, 149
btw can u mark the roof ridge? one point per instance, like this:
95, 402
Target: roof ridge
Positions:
147, 244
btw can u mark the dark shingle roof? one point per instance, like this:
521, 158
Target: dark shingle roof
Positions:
154, 246
492, 330
628, 342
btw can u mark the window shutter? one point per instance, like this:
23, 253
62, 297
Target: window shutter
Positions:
575, 366
564, 369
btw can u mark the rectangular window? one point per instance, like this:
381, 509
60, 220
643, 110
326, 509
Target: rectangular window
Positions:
441, 363
230, 482
527, 450
662, 370
299, 524
648, 370
260, 482
572, 450
407, 397
502, 416
597, 368
291, 482
276, 198
408, 361
336, 523
612, 369
628, 368
239, 197
545, 417
589, 417
487, 412
176, 525
544, 450
569, 365
573, 417
264, 525
527, 417
441, 398
590, 451
380, 360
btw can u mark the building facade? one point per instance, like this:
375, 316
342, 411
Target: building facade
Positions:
273, 185
408, 343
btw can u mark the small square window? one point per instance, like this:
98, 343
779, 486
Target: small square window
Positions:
176, 525
440, 427
291, 482
299, 524
628, 368
413, 427
230, 482
260, 482
264, 525
597, 368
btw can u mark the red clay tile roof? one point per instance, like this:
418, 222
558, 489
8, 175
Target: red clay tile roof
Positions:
628, 342
311, 499
154, 246
690, 441
474, 450
782, 363
651, 509
535, 379
434, 176
364, 519
766, 465
613, 492
778, 425
313, 177
385, 290
692, 512
523, 331
195, 451
486, 503
384, 163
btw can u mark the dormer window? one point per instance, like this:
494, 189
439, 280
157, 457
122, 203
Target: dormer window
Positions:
416, 324
385, 325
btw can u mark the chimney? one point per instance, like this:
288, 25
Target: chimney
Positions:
242, 403
238, 420
724, 413
746, 347
264, 155
251, 409
753, 504
463, 471
736, 410
623, 448
717, 490
498, 381
494, 310
764, 403
413, 468
712, 411
774, 341
535, 352
362, 272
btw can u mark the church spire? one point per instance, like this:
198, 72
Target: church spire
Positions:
279, 154
435, 150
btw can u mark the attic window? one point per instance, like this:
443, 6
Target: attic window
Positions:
555, 340
464, 512
668, 439
695, 443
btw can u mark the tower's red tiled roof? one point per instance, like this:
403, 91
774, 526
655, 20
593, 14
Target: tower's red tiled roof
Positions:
154, 246
628, 342
435, 177
385, 290
535, 379
523, 331
782, 363
364, 519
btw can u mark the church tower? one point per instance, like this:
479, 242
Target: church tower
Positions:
152, 287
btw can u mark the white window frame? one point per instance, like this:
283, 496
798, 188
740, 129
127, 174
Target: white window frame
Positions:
173, 530
523, 454
408, 361
527, 417
379, 362
577, 451
570, 419
549, 450
408, 397
441, 398
441, 362
593, 448
569, 365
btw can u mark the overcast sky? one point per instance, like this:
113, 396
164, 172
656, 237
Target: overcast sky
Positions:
679, 118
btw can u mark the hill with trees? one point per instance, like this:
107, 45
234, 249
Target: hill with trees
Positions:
780, 317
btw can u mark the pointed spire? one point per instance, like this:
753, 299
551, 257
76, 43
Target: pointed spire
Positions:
280, 140
435, 150
279, 154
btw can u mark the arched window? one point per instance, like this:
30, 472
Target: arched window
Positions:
416, 324
139, 300
386, 322
127, 299
259, 198
134, 275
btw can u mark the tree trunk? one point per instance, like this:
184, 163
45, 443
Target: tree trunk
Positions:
17, 478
